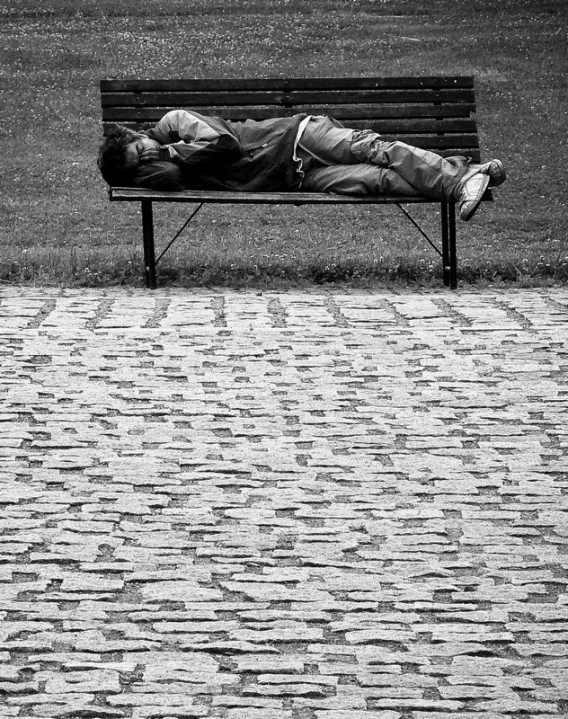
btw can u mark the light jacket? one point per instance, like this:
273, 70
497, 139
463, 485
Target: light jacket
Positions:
209, 153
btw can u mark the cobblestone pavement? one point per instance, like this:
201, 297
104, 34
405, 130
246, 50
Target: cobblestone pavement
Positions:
283, 505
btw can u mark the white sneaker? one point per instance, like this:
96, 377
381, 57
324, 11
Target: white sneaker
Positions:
472, 190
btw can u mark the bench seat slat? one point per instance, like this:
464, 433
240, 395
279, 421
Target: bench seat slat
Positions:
286, 99
282, 84
118, 194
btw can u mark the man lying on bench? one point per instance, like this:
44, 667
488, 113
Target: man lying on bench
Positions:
186, 150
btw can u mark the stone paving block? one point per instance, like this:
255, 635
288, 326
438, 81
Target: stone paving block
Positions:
258, 714
358, 714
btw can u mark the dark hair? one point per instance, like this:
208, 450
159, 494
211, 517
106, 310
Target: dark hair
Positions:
111, 160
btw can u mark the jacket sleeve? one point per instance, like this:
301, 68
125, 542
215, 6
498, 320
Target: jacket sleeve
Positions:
190, 140
160, 175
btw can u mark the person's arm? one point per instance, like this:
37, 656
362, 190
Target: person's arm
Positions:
190, 140
160, 175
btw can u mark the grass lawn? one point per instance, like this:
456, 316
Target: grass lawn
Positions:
57, 226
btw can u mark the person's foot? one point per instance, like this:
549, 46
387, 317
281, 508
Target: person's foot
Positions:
496, 171
472, 189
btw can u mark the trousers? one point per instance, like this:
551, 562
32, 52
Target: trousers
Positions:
345, 161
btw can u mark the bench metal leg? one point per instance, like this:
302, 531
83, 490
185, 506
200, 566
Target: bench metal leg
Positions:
449, 251
149, 252
453, 248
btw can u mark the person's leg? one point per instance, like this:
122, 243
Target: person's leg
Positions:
356, 180
428, 172
326, 142
329, 143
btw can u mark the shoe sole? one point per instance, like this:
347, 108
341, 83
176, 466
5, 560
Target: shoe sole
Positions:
465, 217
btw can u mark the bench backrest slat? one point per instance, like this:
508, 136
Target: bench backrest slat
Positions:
281, 84
292, 98
343, 112
431, 112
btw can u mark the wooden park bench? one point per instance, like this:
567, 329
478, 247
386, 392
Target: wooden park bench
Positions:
435, 113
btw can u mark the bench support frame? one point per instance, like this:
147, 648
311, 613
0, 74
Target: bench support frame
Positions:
448, 252
148, 238
449, 249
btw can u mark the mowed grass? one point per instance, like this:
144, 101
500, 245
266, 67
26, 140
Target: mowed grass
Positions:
57, 226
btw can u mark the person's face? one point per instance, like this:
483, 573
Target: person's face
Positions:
134, 150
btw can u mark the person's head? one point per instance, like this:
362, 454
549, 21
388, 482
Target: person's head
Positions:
119, 155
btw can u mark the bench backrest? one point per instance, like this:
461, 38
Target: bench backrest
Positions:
429, 112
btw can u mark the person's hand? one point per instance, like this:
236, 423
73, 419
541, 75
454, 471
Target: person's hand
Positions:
149, 154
